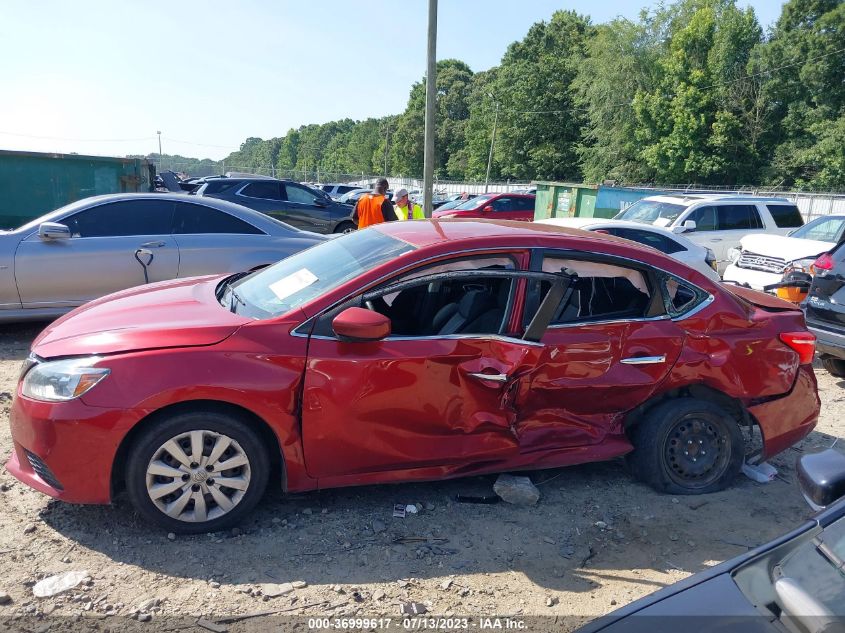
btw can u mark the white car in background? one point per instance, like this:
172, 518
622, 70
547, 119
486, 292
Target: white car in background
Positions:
676, 246
761, 260
717, 221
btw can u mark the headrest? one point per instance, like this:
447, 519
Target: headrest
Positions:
474, 303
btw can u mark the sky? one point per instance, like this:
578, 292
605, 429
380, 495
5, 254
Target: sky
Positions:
104, 76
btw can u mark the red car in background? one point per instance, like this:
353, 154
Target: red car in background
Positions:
409, 351
493, 206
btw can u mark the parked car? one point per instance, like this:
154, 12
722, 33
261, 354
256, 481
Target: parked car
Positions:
465, 347
291, 202
794, 583
458, 198
762, 259
676, 246
353, 196
716, 221
336, 190
98, 245
825, 309
493, 206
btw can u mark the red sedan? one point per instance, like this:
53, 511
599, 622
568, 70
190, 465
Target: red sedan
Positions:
409, 351
493, 206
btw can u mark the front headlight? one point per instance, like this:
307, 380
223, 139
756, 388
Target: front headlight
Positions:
61, 380
734, 255
800, 265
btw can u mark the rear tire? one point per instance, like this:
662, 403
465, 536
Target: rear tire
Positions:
834, 366
197, 472
686, 447
345, 227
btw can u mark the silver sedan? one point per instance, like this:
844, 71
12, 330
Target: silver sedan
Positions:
99, 245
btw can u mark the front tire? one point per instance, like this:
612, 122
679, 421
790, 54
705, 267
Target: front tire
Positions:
197, 472
687, 446
834, 366
345, 227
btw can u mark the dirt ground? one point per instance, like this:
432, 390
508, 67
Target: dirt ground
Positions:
595, 541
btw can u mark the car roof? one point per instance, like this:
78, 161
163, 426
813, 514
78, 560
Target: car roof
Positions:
586, 223
257, 218
692, 198
422, 233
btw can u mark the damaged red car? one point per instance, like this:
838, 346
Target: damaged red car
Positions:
410, 351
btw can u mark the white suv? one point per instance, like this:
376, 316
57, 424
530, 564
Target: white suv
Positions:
716, 221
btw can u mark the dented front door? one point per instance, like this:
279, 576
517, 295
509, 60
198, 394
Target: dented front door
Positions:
407, 403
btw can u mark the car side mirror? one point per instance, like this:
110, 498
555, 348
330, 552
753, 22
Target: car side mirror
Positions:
320, 202
357, 325
822, 477
53, 231
687, 227
488, 208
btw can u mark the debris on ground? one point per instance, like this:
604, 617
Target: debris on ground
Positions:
55, 585
5, 598
762, 473
399, 510
516, 490
413, 608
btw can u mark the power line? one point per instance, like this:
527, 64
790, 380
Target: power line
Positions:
79, 140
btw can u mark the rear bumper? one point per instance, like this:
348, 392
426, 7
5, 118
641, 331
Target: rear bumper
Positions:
789, 419
757, 279
828, 340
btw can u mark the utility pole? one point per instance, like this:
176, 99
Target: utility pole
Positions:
386, 145
492, 142
430, 97
159, 150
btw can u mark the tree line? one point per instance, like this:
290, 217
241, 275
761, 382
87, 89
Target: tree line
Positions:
692, 92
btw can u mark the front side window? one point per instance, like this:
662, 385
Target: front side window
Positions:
705, 219
266, 190
312, 273
601, 291
124, 218
503, 204
299, 195
198, 219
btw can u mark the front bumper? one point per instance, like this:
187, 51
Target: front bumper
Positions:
828, 340
786, 420
757, 279
66, 449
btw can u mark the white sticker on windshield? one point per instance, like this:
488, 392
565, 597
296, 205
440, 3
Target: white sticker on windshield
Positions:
294, 282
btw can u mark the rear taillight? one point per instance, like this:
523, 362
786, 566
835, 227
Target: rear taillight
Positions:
803, 343
824, 262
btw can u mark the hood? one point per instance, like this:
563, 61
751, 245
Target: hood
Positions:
786, 248
177, 313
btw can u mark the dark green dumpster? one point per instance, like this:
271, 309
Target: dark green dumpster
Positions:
31, 184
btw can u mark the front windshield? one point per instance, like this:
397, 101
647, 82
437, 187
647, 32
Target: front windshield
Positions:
652, 212
307, 275
822, 230
474, 203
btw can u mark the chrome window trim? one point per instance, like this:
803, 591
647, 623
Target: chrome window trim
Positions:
704, 304
560, 326
444, 337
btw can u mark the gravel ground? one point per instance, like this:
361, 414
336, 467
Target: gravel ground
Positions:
595, 541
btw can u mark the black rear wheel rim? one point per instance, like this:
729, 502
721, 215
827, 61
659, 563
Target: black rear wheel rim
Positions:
697, 450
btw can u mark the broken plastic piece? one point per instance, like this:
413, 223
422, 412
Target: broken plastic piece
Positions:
762, 473
399, 510
411, 509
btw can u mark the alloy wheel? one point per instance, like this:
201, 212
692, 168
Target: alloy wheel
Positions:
198, 476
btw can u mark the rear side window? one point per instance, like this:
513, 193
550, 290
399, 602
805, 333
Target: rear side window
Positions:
786, 215
268, 190
343, 190
125, 218
194, 219
735, 217
681, 297
602, 292
649, 238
